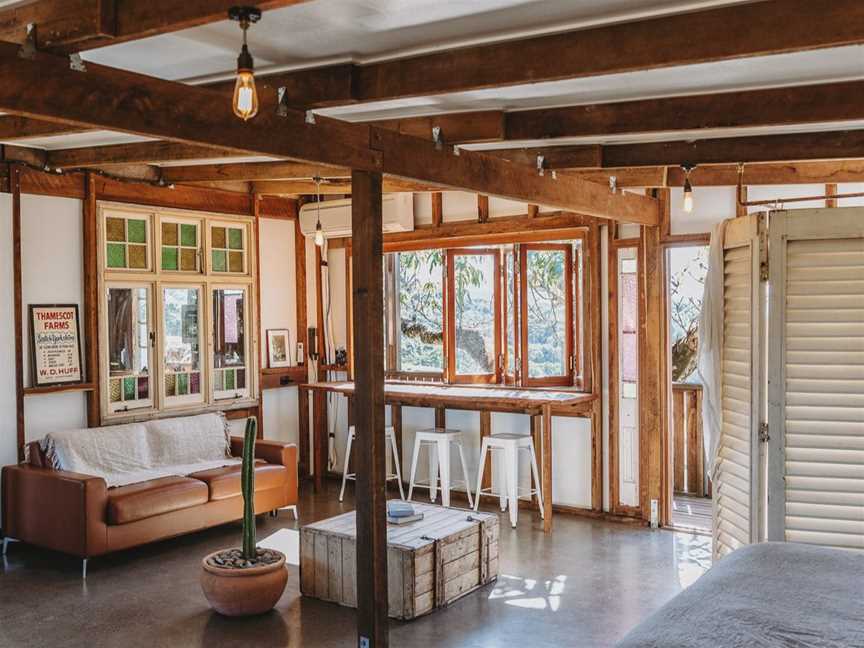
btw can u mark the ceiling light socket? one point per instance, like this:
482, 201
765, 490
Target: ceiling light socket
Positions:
245, 14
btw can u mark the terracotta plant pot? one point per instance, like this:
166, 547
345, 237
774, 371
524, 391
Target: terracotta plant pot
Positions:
243, 592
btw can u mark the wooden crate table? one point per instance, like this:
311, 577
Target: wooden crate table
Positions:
430, 563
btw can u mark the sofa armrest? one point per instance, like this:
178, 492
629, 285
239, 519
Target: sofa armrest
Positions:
274, 452
55, 509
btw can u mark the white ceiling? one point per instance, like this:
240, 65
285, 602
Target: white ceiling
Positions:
327, 31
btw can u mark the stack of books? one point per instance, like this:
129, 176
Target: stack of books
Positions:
399, 512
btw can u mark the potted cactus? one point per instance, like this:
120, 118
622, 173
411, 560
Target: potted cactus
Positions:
248, 580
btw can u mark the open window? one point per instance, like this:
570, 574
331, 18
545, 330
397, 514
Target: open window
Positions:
474, 315
128, 320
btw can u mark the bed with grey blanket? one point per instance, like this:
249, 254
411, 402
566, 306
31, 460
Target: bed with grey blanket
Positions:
772, 594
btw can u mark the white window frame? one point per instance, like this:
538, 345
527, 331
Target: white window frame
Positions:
157, 280
229, 394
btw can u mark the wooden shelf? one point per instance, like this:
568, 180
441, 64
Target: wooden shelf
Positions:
56, 389
283, 377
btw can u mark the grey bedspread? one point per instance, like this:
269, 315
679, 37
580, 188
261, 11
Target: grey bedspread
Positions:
772, 594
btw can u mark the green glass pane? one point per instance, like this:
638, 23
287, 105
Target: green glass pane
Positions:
235, 261
169, 234
136, 231
189, 235
188, 259
138, 256
130, 388
220, 263
115, 229
235, 239
218, 236
169, 258
229, 379
182, 384
116, 255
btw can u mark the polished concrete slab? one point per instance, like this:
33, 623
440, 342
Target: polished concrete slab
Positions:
585, 585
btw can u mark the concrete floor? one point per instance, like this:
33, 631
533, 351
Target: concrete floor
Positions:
585, 585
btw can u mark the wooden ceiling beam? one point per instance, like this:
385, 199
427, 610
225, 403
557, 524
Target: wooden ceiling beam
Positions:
14, 128
797, 105
127, 102
135, 153
333, 186
726, 175
718, 34
252, 171
77, 25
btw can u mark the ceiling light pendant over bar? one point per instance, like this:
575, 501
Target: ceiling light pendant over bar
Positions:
319, 233
245, 100
688, 188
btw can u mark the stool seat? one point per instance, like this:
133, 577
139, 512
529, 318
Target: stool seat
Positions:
390, 438
509, 445
437, 441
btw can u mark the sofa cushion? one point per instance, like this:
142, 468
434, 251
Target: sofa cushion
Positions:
225, 482
154, 497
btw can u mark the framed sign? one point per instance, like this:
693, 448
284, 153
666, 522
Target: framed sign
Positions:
278, 348
55, 344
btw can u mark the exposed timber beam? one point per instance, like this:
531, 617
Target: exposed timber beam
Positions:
718, 34
252, 171
135, 153
829, 145
77, 25
15, 128
123, 101
333, 185
797, 105
780, 173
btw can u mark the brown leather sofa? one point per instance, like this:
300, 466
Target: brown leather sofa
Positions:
77, 514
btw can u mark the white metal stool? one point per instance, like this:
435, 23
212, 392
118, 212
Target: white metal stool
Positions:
390, 434
437, 441
508, 465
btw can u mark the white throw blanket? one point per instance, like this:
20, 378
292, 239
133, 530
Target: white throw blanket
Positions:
136, 452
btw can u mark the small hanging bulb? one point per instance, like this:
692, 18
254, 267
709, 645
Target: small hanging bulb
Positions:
245, 99
688, 190
319, 233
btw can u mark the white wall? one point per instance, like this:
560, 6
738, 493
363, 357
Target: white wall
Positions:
8, 430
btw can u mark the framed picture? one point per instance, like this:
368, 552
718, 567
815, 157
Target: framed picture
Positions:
278, 348
55, 344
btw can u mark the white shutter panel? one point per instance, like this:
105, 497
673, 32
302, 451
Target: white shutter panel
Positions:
735, 481
816, 463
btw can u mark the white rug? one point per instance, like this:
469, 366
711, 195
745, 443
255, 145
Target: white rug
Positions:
285, 540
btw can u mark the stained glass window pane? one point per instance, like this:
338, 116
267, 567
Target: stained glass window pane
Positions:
188, 259
116, 255
235, 261
136, 230
115, 229
220, 262
169, 258
169, 234
188, 235
235, 239
137, 256
218, 237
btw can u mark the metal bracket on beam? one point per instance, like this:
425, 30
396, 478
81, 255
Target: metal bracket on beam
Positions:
76, 63
28, 47
613, 184
456, 151
436, 137
281, 105
310, 117
541, 165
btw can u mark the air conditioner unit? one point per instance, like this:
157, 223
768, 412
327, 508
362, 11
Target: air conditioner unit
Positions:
398, 216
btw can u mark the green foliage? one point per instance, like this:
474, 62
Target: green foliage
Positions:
247, 483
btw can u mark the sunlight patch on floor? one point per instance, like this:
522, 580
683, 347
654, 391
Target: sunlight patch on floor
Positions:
529, 593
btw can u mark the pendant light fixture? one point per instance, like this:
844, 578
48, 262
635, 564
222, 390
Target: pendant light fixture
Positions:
319, 233
245, 100
688, 188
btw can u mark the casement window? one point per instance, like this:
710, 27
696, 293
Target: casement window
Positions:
177, 317
509, 314
474, 315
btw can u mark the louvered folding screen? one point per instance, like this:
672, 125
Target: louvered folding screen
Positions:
735, 478
816, 377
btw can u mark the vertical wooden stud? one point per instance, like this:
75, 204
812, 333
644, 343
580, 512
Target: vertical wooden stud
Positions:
831, 190
482, 208
486, 430
91, 300
546, 469
18, 307
302, 394
437, 209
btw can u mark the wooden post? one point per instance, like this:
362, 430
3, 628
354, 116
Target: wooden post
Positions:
546, 469
256, 228
370, 446
319, 437
652, 433
486, 430
533, 211
396, 423
18, 307
482, 208
741, 210
831, 190
302, 394
694, 485
700, 445
91, 301
440, 417
678, 439
536, 439
437, 209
